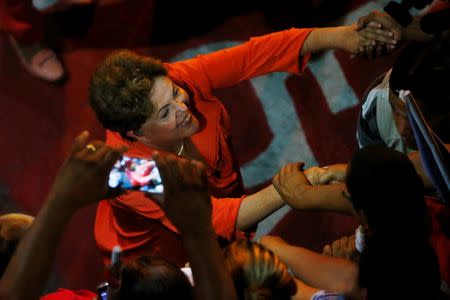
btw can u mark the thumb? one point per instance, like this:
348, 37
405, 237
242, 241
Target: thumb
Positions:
326, 177
80, 142
362, 21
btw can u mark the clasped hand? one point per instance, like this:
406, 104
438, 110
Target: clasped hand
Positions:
381, 34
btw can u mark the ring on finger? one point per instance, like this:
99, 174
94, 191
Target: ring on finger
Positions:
91, 148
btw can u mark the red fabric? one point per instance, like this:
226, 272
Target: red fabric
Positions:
439, 5
440, 236
63, 294
21, 20
142, 228
199, 76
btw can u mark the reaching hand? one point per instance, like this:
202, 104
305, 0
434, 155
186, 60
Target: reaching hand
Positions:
186, 199
290, 182
333, 173
344, 247
313, 174
82, 179
381, 41
367, 41
380, 24
383, 32
352, 40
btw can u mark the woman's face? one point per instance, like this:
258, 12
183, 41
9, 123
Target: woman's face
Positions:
171, 120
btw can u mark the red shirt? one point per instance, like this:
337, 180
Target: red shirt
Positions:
137, 224
440, 234
63, 294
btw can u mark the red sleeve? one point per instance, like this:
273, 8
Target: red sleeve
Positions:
274, 52
63, 294
440, 240
224, 216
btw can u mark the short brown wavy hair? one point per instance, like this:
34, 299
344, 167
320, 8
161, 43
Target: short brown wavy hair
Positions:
120, 87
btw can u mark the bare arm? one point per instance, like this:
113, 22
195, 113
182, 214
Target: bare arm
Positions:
258, 206
30, 266
208, 267
80, 181
343, 37
323, 197
188, 206
324, 272
295, 189
412, 32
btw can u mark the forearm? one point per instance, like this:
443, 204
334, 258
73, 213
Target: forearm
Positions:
324, 272
329, 38
258, 206
413, 32
212, 281
30, 266
323, 197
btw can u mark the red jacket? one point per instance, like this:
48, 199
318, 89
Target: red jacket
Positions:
63, 294
137, 224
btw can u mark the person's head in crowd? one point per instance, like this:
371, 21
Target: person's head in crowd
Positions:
153, 277
12, 229
393, 268
424, 69
386, 192
132, 95
257, 272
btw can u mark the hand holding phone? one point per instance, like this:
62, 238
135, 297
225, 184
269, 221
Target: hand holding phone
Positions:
187, 202
102, 291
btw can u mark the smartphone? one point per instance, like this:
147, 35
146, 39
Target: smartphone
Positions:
102, 291
136, 174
